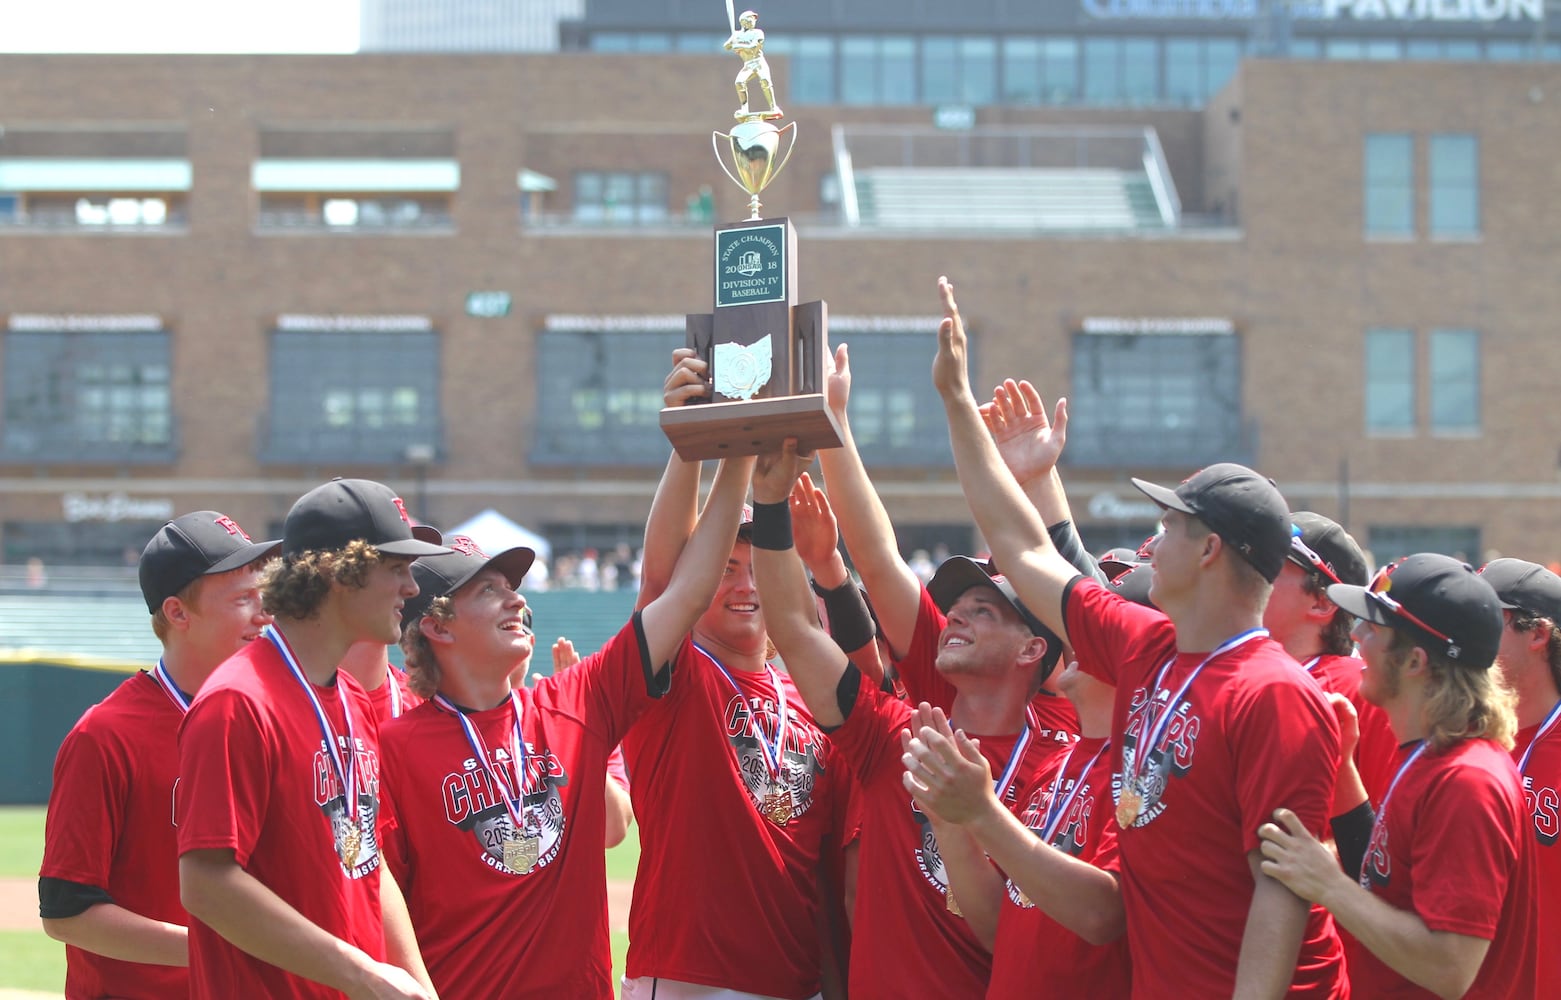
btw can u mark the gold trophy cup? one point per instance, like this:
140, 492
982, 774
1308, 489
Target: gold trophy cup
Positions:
766, 352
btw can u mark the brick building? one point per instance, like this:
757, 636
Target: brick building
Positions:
225, 279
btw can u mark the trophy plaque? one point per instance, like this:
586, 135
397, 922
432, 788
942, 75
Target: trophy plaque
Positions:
765, 351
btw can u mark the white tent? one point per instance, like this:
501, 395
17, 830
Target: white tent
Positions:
493, 533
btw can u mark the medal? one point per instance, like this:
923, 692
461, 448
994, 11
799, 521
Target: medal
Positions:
351, 843
1136, 779
1021, 898
520, 852
952, 903
1128, 807
343, 765
522, 847
777, 805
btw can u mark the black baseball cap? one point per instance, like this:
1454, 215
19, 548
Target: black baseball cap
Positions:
745, 523
958, 574
191, 546
442, 575
1441, 600
1524, 586
1320, 543
345, 510
1242, 507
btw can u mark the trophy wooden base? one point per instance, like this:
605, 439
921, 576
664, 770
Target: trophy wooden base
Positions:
750, 427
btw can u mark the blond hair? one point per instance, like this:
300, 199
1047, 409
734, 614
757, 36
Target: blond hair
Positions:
190, 596
1463, 703
423, 673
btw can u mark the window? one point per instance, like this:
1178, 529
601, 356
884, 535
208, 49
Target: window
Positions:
878, 70
1390, 381
1390, 184
1455, 381
896, 416
1394, 541
1157, 399
620, 197
1121, 70
812, 60
1455, 185
88, 396
1041, 70
600, 403
352, 395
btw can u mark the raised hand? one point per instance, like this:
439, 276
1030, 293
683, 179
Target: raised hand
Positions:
686, 381
944, 771
1029, 443
813, 524
776, 472
564, 655
837, 381
950, 369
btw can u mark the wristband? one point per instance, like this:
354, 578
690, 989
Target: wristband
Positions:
771, 527
851, 624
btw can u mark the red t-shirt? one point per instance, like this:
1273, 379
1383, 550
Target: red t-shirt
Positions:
1542, 801
393, 698
1377, 746
724, 896
918, 671
905, 942
484, 928
110, 825
255, 778
1251, 734
1449, 845
1035, 954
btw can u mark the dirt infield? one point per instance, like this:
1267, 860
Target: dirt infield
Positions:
19, 905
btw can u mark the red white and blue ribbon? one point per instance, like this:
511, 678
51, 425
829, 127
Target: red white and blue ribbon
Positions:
1544, 730
1032, 725
1055, 811
1156, 730
772, 755
395, 692
513, 795
165, 681
1382, 810
345, 765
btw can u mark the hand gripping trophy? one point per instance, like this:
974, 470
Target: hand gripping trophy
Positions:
765, 350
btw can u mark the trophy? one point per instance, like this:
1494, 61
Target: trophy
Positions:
765, 351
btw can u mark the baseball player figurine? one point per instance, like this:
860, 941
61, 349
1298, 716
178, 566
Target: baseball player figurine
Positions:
748, 41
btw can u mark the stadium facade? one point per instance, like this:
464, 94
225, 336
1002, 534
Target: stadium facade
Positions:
224, 279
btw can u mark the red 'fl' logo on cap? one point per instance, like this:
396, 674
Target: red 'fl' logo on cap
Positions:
231, 527
465, 546
401, 508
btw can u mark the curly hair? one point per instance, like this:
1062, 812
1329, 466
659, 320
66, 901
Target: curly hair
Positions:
295, 587
423, 674
1336, 637
1462, 703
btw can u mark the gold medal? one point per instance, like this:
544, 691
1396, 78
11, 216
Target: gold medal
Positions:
520, 852
1021, 899
351, 843
776, 805
952, 903
1128, 807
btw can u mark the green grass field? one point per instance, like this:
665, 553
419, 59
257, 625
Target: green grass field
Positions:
30, 961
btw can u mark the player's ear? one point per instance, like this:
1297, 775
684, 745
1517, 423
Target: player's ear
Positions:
435, 629
177, 613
